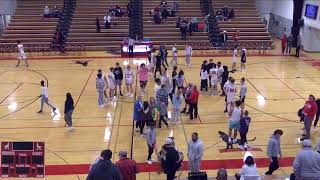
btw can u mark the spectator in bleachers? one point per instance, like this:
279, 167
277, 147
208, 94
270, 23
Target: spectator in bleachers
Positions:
193, 26
174, 9
163, 3
98, 25
46, 12
118, 11
236, 37
249, 169
107, 20
157, 17
206, 21
224, 38
164, 14
183, 29
307, 163
178, 21
222, 174
56, 12
231, 14
225, 11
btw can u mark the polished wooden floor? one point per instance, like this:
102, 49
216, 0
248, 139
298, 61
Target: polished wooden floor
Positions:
277, 88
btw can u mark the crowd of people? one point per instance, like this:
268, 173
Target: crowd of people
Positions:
225, 14
163, 11
287, 44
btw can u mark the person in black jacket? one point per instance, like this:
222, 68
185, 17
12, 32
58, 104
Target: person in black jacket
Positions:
97, 25
118, 74
68, 110
172, 162
158, 65
210, 66
104, 169
225, 76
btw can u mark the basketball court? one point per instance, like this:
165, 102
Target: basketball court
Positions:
277, 88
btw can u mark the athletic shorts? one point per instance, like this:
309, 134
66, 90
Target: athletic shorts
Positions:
112, 86
243, 60
129, 82
231, 99
22, 56
118, 82
234, 124
242, 101
143, 84
214, 81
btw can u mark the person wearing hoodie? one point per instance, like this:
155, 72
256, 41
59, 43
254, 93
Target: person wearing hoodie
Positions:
309, 111
101, 87
138, 108
195, 152
306, 165
248, 170
274, 150
104, 169
151, 141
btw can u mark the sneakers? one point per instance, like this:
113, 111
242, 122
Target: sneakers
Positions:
149, 162
142, 136
234, 140
40, 111
69, 128
54, 109
241, 147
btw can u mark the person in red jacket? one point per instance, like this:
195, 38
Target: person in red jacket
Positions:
127, 166
193, 106
309, 111
283, 42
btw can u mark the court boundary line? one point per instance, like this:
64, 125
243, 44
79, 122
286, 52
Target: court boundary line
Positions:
11, 93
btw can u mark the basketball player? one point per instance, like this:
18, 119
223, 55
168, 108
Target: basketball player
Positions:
22, 54
44, 97
234, 59
214, 79
234, 122
118, 74
243, 59
128, 74
243, 92
112, 84
105, 79
230, 92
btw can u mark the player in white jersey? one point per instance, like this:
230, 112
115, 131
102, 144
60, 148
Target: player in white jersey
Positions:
214, 79
112, 83
231, 92
243, 92
128, 75
234, 59
105, 80
234, 121
21, 55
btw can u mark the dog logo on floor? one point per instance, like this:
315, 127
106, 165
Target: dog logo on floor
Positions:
225, 138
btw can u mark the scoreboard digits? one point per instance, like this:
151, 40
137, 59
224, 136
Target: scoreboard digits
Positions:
22, 159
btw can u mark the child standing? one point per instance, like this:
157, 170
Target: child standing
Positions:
129, 80
234, 122
112, 84
204, 79
118, 74
243, 92
214, 79
177, 102
163, 111
230, 92
175, 55
234, 59
101, 87
244, 128
68, 110
22, 55
151, 141
243, 59
143, 77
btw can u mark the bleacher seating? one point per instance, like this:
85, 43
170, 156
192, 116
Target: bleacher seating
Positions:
30, 27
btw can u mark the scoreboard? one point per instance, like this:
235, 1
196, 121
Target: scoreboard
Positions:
22, 159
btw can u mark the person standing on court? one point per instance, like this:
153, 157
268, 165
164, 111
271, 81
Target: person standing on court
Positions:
45, 97
151, 140
306, 165
128, 167
188, 52
118, 74
274, 150
174, 55
195, 153
298, 46
22, 55
309, 111
68, 110
101, 87
137, 112
193, 103
104, 169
